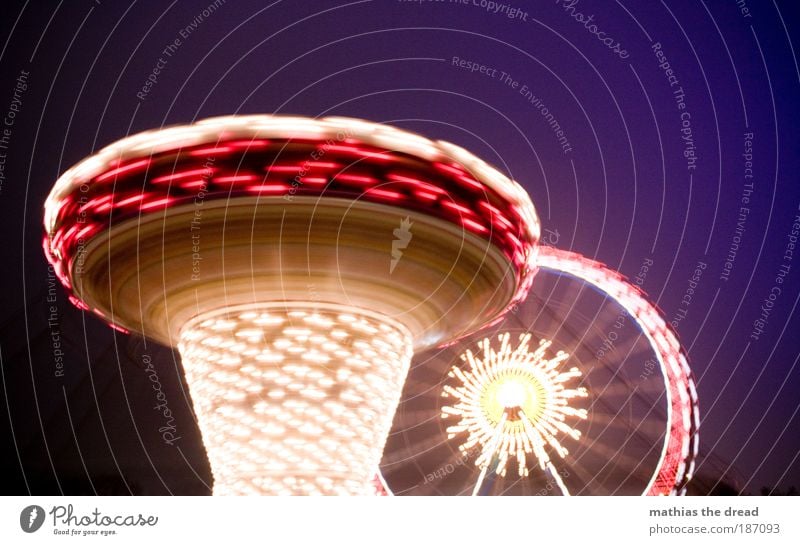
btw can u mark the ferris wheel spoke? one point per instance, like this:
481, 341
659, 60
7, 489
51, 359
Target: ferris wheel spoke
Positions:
614, 388
488, 454
553, 472
638, 427
588, 483
646, 429
614, 456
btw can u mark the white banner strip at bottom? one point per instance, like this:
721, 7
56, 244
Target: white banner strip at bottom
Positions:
389, 520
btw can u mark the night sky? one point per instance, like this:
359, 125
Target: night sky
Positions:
677, 144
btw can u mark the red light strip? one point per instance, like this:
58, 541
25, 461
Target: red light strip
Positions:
474, 225
156, 204
460, 209
236, 179
327, 165
460, 175
130, 200
313, 180
426, 196
421, 184
353, 178
87, 231
124, 169
77, 302
216, 150
496, 214
391, 195
194, 184
184, 174
95, 203
248, 143
270, 188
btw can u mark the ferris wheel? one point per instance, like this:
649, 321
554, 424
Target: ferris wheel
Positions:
583, 390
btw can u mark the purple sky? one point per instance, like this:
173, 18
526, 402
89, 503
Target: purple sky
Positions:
657, 126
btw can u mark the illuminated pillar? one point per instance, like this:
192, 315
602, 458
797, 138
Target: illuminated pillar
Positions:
294, 399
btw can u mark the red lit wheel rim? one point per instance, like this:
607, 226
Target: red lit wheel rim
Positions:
676, 461
654, 421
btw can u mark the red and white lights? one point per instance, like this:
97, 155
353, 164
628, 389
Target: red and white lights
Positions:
262, 248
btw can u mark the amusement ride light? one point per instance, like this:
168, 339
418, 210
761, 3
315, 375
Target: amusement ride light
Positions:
297, 264
276, 254
513, 402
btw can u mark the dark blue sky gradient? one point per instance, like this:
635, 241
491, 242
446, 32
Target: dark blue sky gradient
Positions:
624, 193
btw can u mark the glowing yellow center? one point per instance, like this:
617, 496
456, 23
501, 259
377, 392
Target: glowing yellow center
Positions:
505, 394
511, 394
